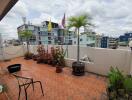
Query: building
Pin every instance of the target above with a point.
(109, 42)
(124, 39)
(112, 43)
(34, 29)
(98, 40)
(86, 39)
(104, 42)
(42, 36)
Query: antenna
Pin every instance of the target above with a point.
(24, 20)
(29, 23)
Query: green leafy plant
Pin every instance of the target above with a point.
(120, 85)
(116, 79)
(128, 84)
(26, 35)
(28, 55)
(59, 56)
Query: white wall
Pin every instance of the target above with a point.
(12, 52)
(103, 59)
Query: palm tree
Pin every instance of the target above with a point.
(26, 35)
(77, 22)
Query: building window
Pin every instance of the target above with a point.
(74, 42)
(81, 39)
(87, 39)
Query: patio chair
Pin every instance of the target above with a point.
(26, 82)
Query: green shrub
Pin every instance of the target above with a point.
(116, 79)
(128, 84)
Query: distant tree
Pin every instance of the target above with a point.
(27, 35)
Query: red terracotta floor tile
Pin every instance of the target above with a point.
(56, 86)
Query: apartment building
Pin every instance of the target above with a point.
(88, 39)
(41, 34)
(124, 39)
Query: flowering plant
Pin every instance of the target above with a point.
(60, 56)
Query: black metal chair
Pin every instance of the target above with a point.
(26, 82)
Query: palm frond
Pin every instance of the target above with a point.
(79, 21)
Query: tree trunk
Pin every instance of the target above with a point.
(78, 46)
(27, 46)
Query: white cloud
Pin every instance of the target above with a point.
(112, 17)
(9, 24)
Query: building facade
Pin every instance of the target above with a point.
(112, 43)
(42, 36)
(104, 42)
(124, 39)
(88, 39)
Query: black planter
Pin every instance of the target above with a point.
(14, 68)
(78, 68)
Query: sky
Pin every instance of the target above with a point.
(111, 17)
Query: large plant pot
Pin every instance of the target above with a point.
(58, 69)
(14, 68)
(78, 68)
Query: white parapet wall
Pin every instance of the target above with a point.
(12, 52)
(102, 59)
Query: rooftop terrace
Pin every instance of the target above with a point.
(57, 86)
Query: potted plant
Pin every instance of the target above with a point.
(41, 54)
(120, 86)
(34, 57)
(60, 59)
(78, 22)
(54, 56)
(128, 87)
(28, 55)
(26, 35)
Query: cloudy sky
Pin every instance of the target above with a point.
(111, 17)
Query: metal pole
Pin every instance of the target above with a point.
(1, 48)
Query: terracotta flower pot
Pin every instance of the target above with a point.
(58, 69)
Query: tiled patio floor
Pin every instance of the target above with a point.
(57, 86)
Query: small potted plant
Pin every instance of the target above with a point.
(28, 55)
(41, 54)
(34, 57)
(54, 56)
(60, 59)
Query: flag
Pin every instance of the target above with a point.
(50, 26)
(63, 21)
